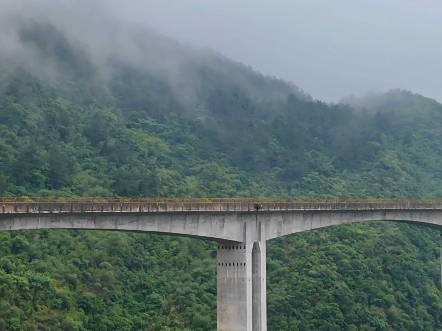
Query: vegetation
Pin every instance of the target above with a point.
(241, 134)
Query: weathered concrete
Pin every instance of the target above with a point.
(259, 290)
(143, 205)
(234, 279)
(241, 280)
(241, 285)
(240, 231)
(213, 226)
(228, 226)
(280, 224)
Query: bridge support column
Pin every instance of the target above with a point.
(234, 278)
(241, 278)
(259, 289)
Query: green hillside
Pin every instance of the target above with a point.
(218, 130)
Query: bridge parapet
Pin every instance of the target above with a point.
(146, 205)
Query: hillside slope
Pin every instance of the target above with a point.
(126, 130)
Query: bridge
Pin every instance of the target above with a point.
(241, 227)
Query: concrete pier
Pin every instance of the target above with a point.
(259, 287)
(241, 285)
(234, 285)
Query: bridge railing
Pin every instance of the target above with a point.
(146, 205)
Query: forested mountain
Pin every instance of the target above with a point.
(175, 122)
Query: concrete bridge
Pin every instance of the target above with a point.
(241, 228)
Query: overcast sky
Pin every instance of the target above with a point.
(330, 48)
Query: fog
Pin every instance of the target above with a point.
(36, 34)
(330, 49)
(89, 25)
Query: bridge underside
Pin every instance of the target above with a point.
(213, 225)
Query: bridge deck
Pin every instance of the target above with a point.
(114, 205)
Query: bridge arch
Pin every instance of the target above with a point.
(283, 224)
(215, 227)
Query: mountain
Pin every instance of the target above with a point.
(160, 119)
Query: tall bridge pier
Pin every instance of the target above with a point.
(241, 283)
(241, 233)
(440, 243)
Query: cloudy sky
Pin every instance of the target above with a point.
(330, 48)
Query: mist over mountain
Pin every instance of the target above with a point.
(88, 42)
(92, 105)
(330, 49)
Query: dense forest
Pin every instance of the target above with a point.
(211, 128)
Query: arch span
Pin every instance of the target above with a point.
(218, 226)
(213, 226)
(286, 223)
